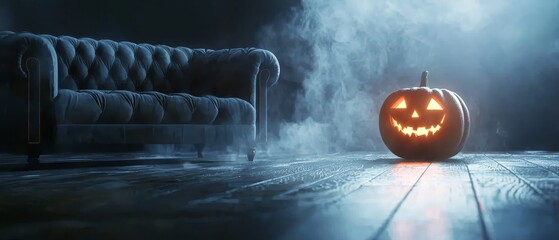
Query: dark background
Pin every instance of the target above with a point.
(517, 111)
(193, 23)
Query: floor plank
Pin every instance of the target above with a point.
(353, 195)
(363, 212)
(442, 205)
(544, 181)
(511, 207)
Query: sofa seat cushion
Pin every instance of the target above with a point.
(122, 107)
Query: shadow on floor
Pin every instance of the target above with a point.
(90, 164)
(403, 161)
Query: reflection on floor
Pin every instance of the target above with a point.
(356, 195)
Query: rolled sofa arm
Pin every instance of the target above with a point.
(28, 66)
(244, 73)
(232, 72)
(268, 74)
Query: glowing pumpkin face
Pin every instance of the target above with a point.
(411, 123)
(424, 123)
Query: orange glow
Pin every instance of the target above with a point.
(419, 131)
(400, 104)
(434, 105)
(414, 114)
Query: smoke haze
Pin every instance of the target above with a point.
(341, 58)
(501, 57)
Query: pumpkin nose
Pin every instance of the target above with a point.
(414, 114)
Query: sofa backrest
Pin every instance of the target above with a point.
(86, 63)
(108, 65)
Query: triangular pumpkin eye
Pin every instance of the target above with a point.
(434, 105)
(400, 104)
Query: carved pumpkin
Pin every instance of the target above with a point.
(424, 123)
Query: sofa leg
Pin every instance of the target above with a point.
(251, 152)
(33, 153)
(199, 149)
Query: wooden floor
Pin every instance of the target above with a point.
(356, 195)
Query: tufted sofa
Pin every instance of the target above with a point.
(65, 90)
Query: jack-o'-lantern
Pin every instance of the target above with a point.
(424, 123)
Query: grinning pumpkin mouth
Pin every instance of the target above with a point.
(419, 131)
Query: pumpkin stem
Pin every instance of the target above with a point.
(424, 79)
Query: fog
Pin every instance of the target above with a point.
(501, 57)
(341, 58)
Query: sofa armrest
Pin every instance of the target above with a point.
(267, 76)
(17, 52)
(28, 68)
(232, 72)
(244, 73)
